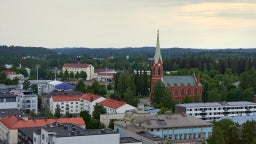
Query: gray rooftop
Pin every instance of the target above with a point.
(68, 130)
(5, 112)
(61, 93)
(174, 121)
(150, 136)
(6, 93)
(216, 104)
(179, 80)
(128, 140)
(241, 119)
(29, 131)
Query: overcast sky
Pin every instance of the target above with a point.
(128, 23)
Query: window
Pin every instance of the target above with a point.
(71, 102)
(159, 70)
(42, 136)
(195, 92)
(189, 92)
(175, 92)
(182, 92)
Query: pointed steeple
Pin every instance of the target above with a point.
(157, 52)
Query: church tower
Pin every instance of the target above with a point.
(157, 66)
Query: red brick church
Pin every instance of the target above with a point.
(180, 86)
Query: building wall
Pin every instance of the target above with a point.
(8, 105)
(92, 139)
(210, 113)
(73, 107)
(89, 106)
(125, 108)
(36, 138)
(9, 136)
(105, 118)
(177, 91)
(196, 133)
(89, 71)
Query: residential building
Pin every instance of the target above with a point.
(46, 98)
(104, 75)
(79, 67)
(25, 135)
(74, 104)
(42, 86)
(174, 128)
(89, 101)
(8, 87)
(180, 86)
(8, 100)
(10, 124)
(70, 133)
(113, 106)
(12, 111)
(216, 110)
(26, 100)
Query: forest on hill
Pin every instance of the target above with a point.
(20, 51)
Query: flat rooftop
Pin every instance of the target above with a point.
(216, 104)
(128, 140)
(69, 130)
(29, 131)
(6, 112)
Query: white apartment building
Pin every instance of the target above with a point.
(8, 100)
(78, 67)
(113, 106)
(214, 110)
(74, 104)
(88, 101)
(69, 133)
(26, 100)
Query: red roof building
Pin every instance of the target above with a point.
(90, 97)
(9, 72)
(65, 98)
(10, 124)
(78, 68)
(111, 103)
(76, 65)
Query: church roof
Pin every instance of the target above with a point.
(157, 52)
(179, 80)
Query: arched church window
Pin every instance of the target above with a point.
(159, 71)
(195, 92)
(189, 92)
(182, 92)
(175, 92)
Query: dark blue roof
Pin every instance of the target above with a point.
(64, 86)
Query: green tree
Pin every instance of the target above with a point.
(217, 136)
(81, 86)
(86, 116)
(187, 99)
(248, 135)
(26, 84)
(66, 75)
(162, 96)
(98, 109)
(96, 88)
(83, 75)
(57, 113)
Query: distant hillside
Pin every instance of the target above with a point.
(18, 51)
(149, 52)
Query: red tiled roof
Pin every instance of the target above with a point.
(14, 122)
(66, 98)
(112, 103)
(9, 72)
(76, 65)
(90, 97)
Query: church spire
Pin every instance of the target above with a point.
(157, 52)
